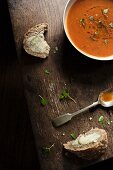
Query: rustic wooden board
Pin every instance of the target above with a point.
(83, 77)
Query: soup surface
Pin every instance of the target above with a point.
(89, 24)
(107, 97)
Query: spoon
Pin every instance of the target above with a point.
(105, 99)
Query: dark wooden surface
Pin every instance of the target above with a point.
(17, 149)
(83, 77)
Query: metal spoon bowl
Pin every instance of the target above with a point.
(109, 101)
(105, 99)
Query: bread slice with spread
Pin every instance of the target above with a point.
(90, 145)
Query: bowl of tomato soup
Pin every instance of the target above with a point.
(88, 25)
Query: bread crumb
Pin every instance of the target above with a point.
(90, 118)
(63, 134)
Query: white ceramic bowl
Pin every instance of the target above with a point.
(66, 10)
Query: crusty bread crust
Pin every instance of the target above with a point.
(34, 42)
(92, 150)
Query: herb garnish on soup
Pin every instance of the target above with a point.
(89, 24)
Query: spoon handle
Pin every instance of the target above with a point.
(85, 109)
(68, 116)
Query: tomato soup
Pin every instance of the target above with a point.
(89, 24)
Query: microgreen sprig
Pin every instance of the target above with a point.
(111, 24)
(73, 135)
(46, 71)
(65, 94)
(104, 121)
(105, 11)
(105, 41)
(43, 101)
(91, 18)
(82, 22)
(101, 120)
(55, 50)
(47, 150)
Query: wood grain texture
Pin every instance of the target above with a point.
(83, 77)
(17, 148)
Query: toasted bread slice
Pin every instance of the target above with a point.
(89, 145)
(34, 42)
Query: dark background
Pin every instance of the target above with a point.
(17, 148)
